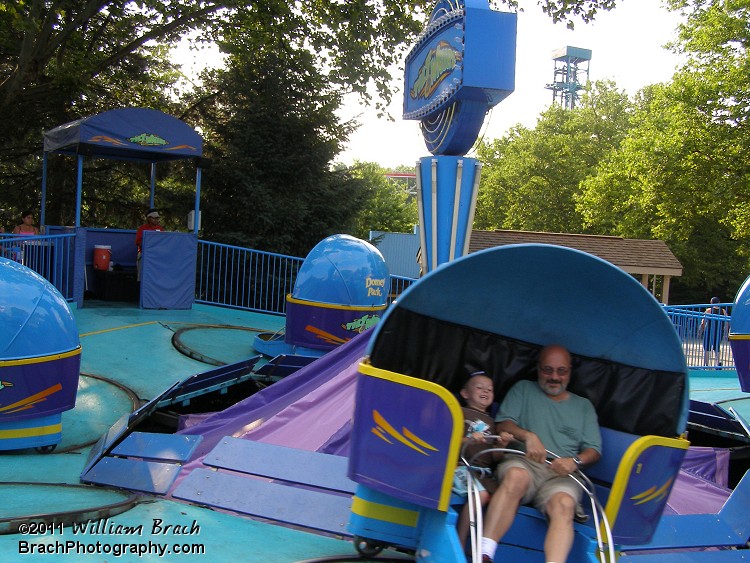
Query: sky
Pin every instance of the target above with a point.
(627, 47)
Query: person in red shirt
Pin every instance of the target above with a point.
(151, 224)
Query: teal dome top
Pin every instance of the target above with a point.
(35, 319)
(343, 270)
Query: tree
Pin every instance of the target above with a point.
(681, 175)
(667, 182)
(562, 10)
(531, 177)
(387, 206)
(270, 121)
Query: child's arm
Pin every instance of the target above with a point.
(474, 437)
(502, 441)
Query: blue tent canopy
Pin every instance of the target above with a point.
(135, 134)
(138, 134)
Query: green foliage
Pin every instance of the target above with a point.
(562, 10)
(682, 171)
(671, 164)
(531, 177)
(387, 205)
(682, 175)
(270, 118)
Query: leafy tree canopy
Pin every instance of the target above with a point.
(681, 174)
(269, 118)
(388, 205)
(531, 177)
(670, 164)
(64, 59)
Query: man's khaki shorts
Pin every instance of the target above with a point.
(544, 481)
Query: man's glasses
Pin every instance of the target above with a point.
(549, 370)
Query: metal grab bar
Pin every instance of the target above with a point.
(600, 518)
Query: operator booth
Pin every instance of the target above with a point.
(139, 135)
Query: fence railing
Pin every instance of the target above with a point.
(237, 277)
(399, 284)
(51, 256)
(704, 335)
(232, 276)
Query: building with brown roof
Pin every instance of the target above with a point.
(651, 261)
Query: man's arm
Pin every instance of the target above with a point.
(589, 456)
(568, 465)
(534, 448)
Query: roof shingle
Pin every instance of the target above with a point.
(635, 256)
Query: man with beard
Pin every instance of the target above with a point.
(544, 416)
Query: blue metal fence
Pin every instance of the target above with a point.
(232, 276)
(50, 256)
(398, 285)
(704, 335)
(259, 281)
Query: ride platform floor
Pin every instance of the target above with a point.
(128, 357)
(720, 387)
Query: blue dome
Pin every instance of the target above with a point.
(34, 318)
(343, 270)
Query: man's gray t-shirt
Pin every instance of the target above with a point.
(565, 427)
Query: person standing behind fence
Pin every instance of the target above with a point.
(151, 224)
(27, 226)
(713, 330)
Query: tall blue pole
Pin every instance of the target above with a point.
(463, 65)
(79, 189)
(153, 185)
(197, 207)
(43, 203)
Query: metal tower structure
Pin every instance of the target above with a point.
(571, 72)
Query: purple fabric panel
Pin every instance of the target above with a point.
(701, 486)
(168, 270)
(186, 421)
(338, 444)
(309, 422)
(692, 494)
(334, 373)
(711, 464)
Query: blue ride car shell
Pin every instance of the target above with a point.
(341, 290)
(40, 357)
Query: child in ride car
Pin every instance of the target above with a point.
(478, 393)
